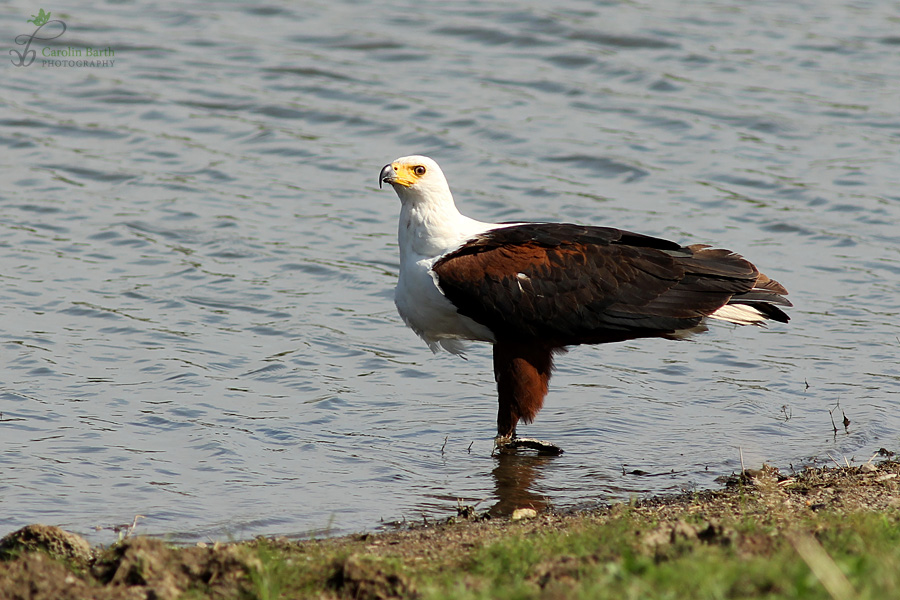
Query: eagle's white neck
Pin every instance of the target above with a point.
(431, 225)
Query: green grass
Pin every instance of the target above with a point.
(622, 557)
(612, 560)
(788, 539)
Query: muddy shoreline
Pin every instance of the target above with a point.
(40, 562)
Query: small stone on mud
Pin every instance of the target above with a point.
(523, 513)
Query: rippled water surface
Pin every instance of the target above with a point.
(197, 267)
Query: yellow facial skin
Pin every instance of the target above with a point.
(405, 174)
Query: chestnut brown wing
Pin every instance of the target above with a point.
(570, 284)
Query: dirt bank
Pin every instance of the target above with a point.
(42, 562)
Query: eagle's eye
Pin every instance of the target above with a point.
(419, 170)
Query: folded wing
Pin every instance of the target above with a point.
(567, 284)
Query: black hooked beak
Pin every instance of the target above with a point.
(387, 175)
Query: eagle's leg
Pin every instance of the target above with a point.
(523, 374)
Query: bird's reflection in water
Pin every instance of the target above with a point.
(515, 478)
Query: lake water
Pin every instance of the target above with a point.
(197, 266)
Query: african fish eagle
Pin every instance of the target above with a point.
(532, 289)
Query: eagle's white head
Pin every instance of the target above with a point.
(417, 180)
(430, 224)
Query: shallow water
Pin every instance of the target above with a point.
(198, 268)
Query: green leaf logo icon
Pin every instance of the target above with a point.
(40, 19)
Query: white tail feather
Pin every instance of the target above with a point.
(739, 314)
